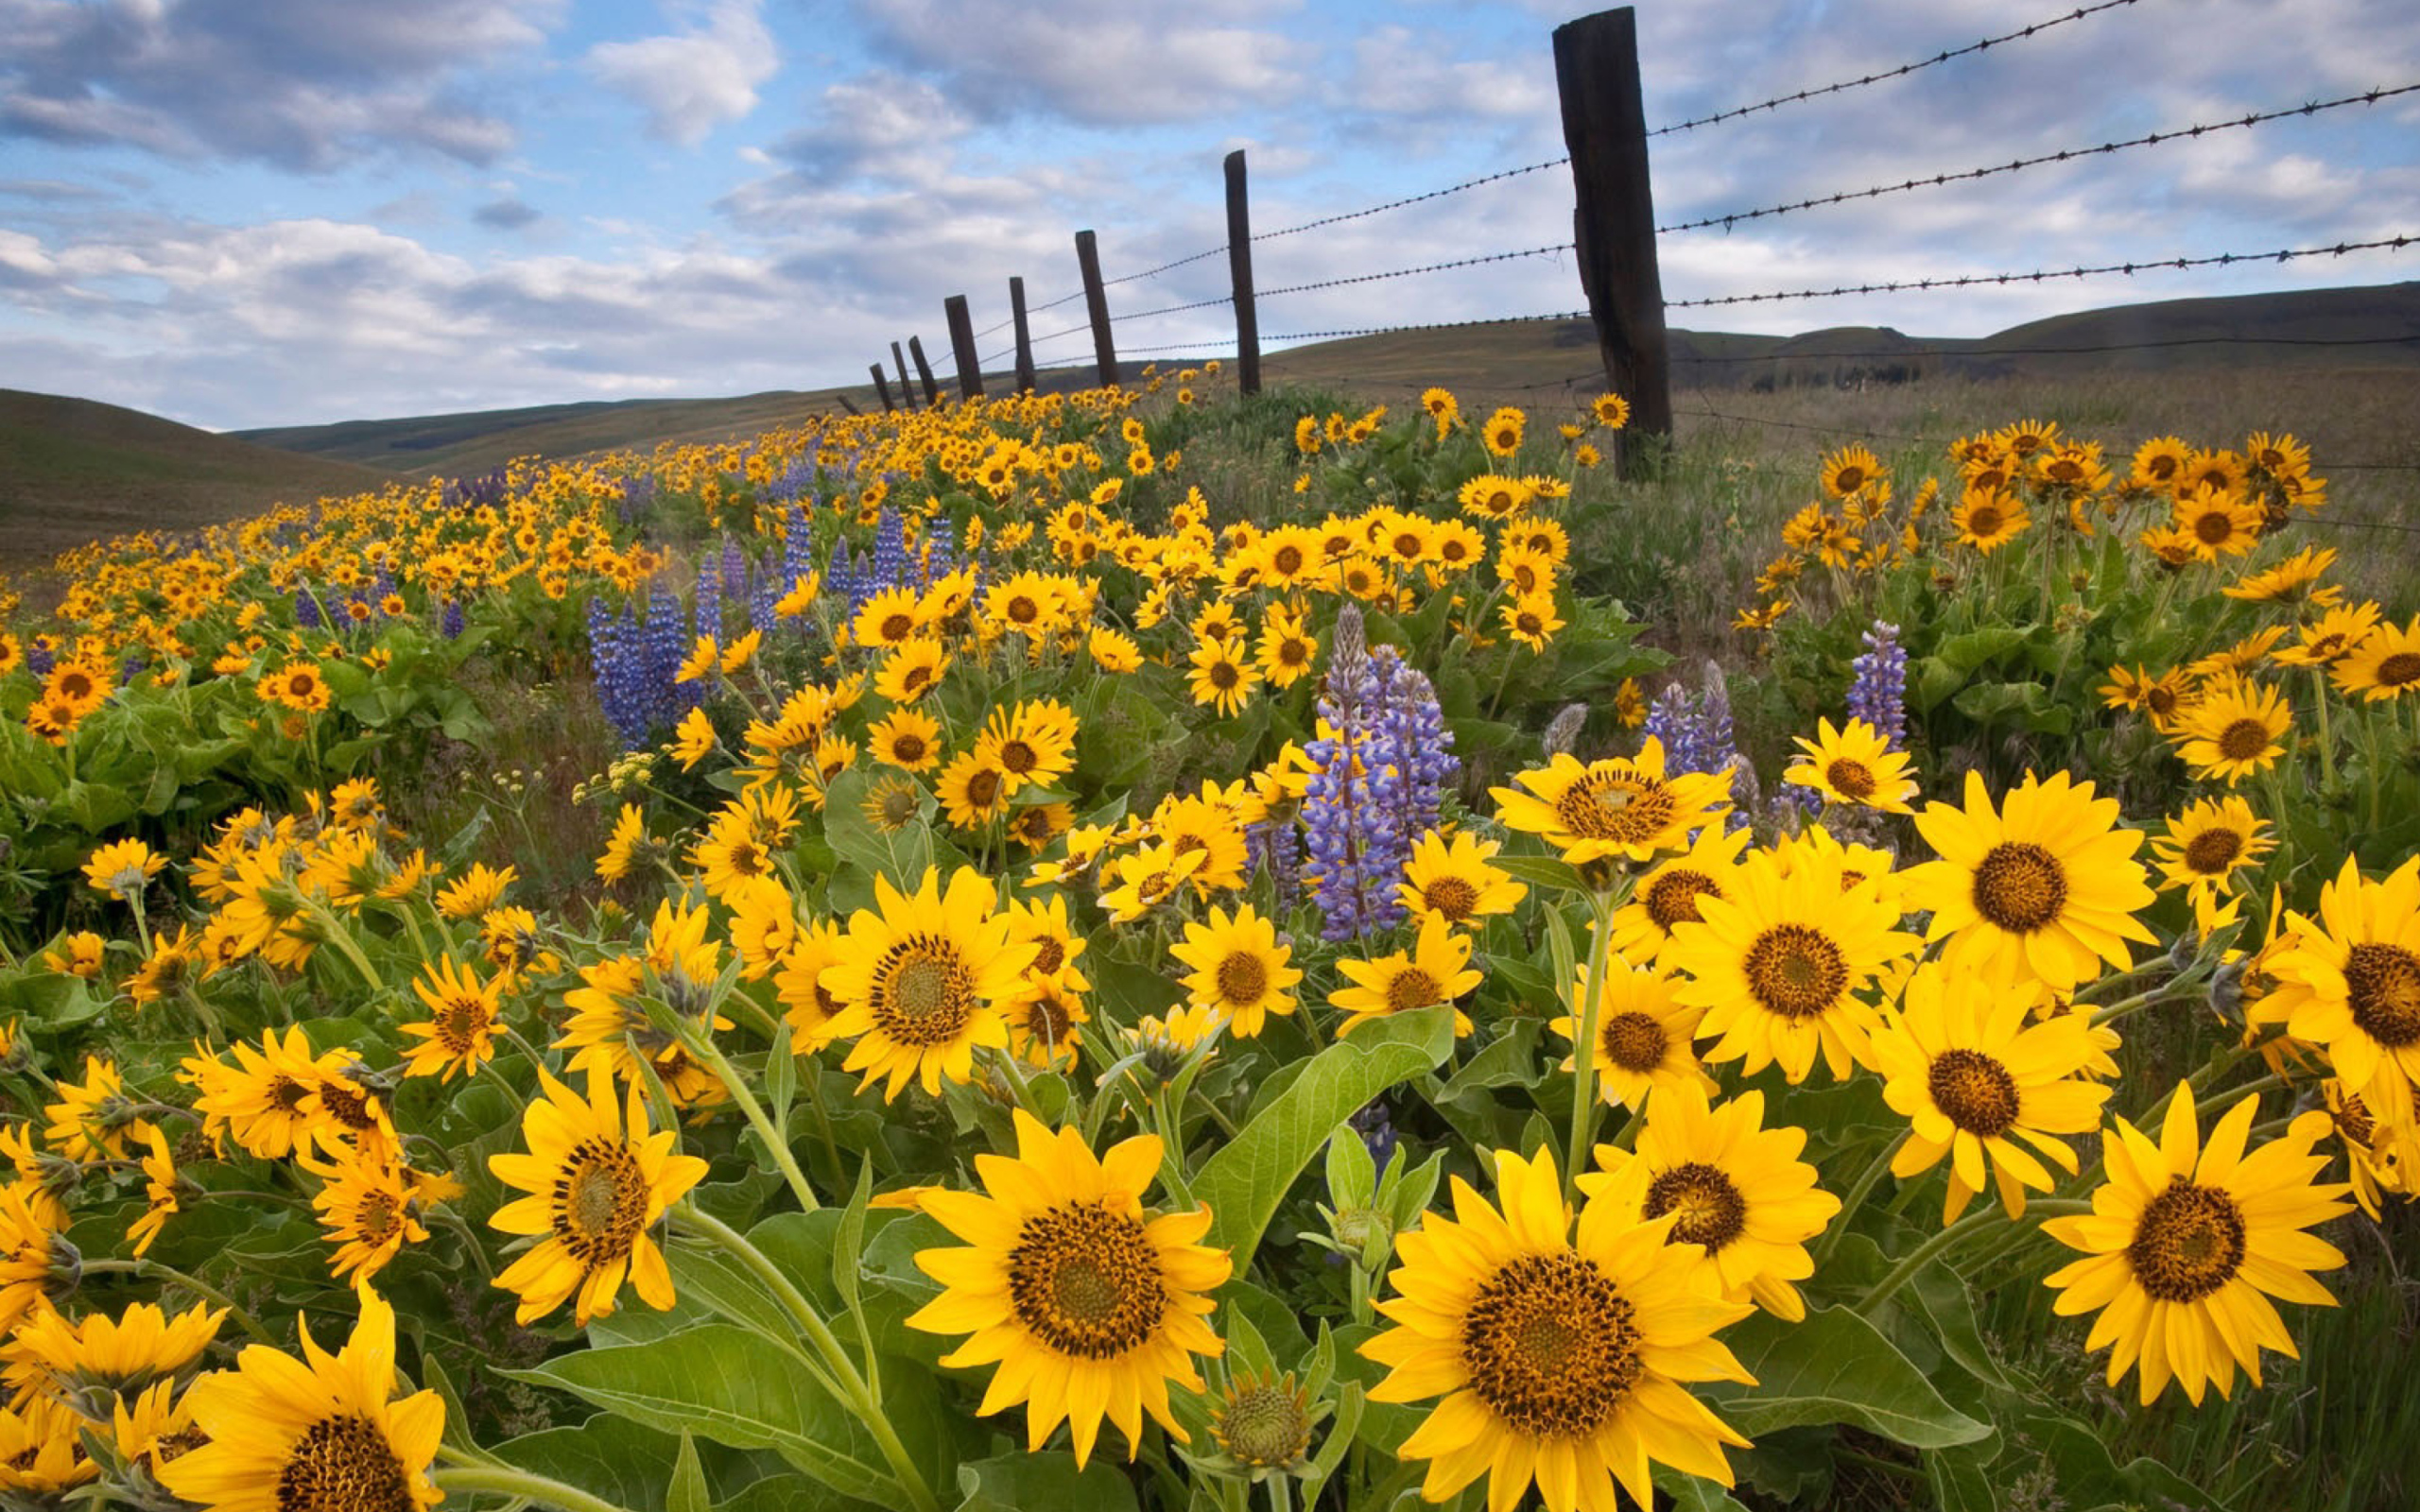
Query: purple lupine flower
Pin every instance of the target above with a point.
(306, 609)
(1420, 749)
(638, 498)
(664, 647)
(623, 690)
(1377, 1132)
(889, 568)
(1879, 693)
(451, 626)
(39, 657)
(735, 562)
(1695, 728)
(708, 613)
(1671, 719)
(1357, 800)
(841, 579)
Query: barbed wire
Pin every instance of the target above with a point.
(1412, 200)
(1154, 272)
(1430, 325)
(1405, 272)
(2044, 275)
(1922, 351)
(1900, 72)
(2064, 155)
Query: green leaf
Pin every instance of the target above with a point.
(1024, 1483)
(1550, 873)
(2025, 705)
(687, 1492)
(1936, 677)
(1244, 1182)
(901, 855)
(733, 1386)
(1836, 1367)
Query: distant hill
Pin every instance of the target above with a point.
(71, 470)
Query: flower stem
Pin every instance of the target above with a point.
(153, 1270)
(701, 1045)
(1583, 1040)
(1856, 1196)
(500, 1480)
(1956, 1233)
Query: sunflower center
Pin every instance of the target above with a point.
(1050, 952)
(915, 680)
(1024, 610)
(1634, 1042)
(459, 1026)
(1614, 806)
(1796, 970)
(2244, 740)
(925, 995)
(2353, 1122)
(1019, 756)
(1985, 521)
(1225, 676)
(375, 1217)
(983, 786)
(908, 747)
(2213, 851)
(1242, 978)
(1287, 559)
(2187, 1244)
(1412, 988)
(2400, 669)
(1086, 1281)
(1263, 1423)
(1453, 898)
(601, 1201)
(1849, 480)
(2383, 985)
(2019, 887)
(1974, 1091)
(897, 626)
(1048, 1020)
(1551, 1346)
(2213, 526)
(1672, 898)
(344, 1463)
(1712, 1212)
(1851, 778)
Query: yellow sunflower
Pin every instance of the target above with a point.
(922, 976)
(2383, 666)
(2044, 888)
(890, 617)
(908, 738)
(1615, 808)
(1224, 674)
(1644, 1033)
(2221, 520)
(1435, 970)
(1989, 519)
(1452, 879)
(1849, 470)
(1034, 744)
(1238, 969)
(597, 1180)
(2205, 845)
(1666, 897)
(2350, 982)
(1853, 765)
(1088, 1305)
(2233, 731)
(2184, 1238)
(1560, 1360)
(1959, 1063)
(1778, 963)
(460, 1033)
(912, 670)
(1502, 432)
(322, 1432)
(974, 790)
(1531, 619)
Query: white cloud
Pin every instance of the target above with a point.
(695, 80)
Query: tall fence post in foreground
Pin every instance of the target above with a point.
(961, 346)
(1024, 337)
(925, 372)
(1096, 305)
(1239, 267)
(1595, 69)
(899, 360)
(882, 386)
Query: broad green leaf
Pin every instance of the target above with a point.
(634, 1468)
(901, 855)
(1836, 1367)
(687, 1492)
(1691, 1493)
(1032, 1483)
(1244, 1182)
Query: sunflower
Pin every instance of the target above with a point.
(2383, 666)
(2165, 698)
(1849, 471)
(1114, 650)
(1435, 970)
(297, 685)
(1288, 647)
(1644, 1033)
(2208, 842)
(974, 790)
(123, 869)
(1531, 620)
(1561, 1362)
(908, 738)
(1223, 675)
(459, 1034)
(889, 618)
(1614, 808)
(53, 1354)
(1452, 879)
(922, 976)
(1777, 963)
(1034, 744)
(912, 670)
(93, 1121)
(160, 1195)
(1493, 497)
(322, 1432)
(1502, 432)
(1666, 897)
(597, 1180)
(369, 1210)
(2221, 520)
(1988, 519)
(2045, 887)
(1853, 765)
(1088, 1305)
(2292, 579)
(2232, 732)
(1959, 1063)
(1612, 411)
(1238, 968)
(2160, 461)
(42, 1451)
(2184, 1238)
(2350, 982)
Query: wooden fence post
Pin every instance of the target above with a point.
(961, 346)
(882, 386)
(1595, 69)
(1096, 305)
(1024, 337)
(847, 404)
(1239, 268)
(925, 372)
(899, 360)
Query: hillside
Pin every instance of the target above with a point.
(73, 469)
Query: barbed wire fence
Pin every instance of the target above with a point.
(1614, 248)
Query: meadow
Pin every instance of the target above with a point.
(1135, 949)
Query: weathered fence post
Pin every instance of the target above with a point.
(1096, 305)
(961, 346)
(899, 360)
(925, 372)
(1024, 337)
(1595, 68)
(1239, 268)
(882, 386)
(848, 405)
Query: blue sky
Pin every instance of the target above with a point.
(258, 211)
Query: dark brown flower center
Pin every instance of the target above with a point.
(1086, 1281)
(2244, 740)
(1050, 952)
(1712, 1212)
(1224, 674)
(1672, 897)
(1634, 1042)
(1974, 1091)
(2399, 670)
(908, 747)
(2382, 983)
(1796, 970)
(344, 1463)
(924, 993)
(599, 1201)
(2019, 887)
(982, 787)
(1451, 898)
(1850, 778)
(1616, 805)
(2212, 852)
(2213, 527)
(1242, 977)
(1412, 988)
(1551, 1346)
(2188, 1242)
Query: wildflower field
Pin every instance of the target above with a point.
(1133, 950)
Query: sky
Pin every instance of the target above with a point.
(250, 212)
